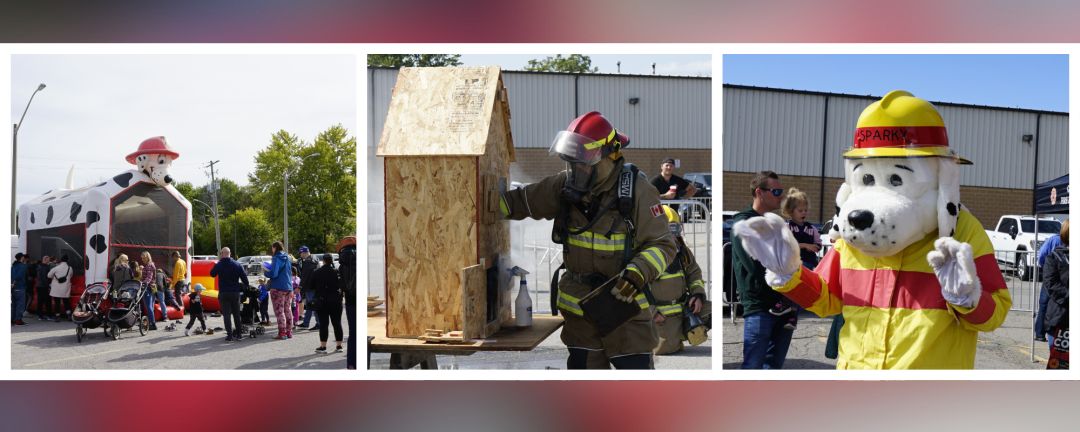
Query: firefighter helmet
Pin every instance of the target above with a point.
(154, 145)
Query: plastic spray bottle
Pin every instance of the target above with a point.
(523, 303)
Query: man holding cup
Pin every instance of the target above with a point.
(671, 186)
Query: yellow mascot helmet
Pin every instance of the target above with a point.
(901, 125)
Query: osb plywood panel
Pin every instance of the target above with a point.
(431, 235)
(440, 111)
(495, 238)
(473, 285)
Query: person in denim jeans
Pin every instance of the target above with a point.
(18, 289)
(765, 340)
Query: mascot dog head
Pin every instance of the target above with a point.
(154, 158)
(901, 178)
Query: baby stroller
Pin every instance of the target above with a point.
(88, 314)
(127, 310)
(249, 312)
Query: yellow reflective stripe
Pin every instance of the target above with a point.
(642, 301)
(596, 241)
(502, 206)
(671, 275)
(596, 144)
(635, 270)
(655, 257)
(670, 310)
(697, 283)
(570, 304)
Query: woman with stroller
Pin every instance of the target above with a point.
(147, 279)
(327, 303)
(281, 290)
(61, 287)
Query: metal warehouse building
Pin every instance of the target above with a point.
(664, 116)
(800, 136)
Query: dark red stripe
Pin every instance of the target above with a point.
(986, 267)
(984, 311)
(871, 137)
(809, 291)
(884, 289)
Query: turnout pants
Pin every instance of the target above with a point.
(671, 330)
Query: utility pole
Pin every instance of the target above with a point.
(213, 197)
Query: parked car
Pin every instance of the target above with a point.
(254, 264)
(1017, 233)
(703, 183)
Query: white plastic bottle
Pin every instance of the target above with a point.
(523, 306)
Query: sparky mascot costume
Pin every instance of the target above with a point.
(912, 272)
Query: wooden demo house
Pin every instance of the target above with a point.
(447, 149)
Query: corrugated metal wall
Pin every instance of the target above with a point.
(781, 131)
(673, 112)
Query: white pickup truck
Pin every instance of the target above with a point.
(1017, 233)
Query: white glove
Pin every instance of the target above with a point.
(769, 241)
(954, 266)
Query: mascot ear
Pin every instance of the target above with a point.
(841, 196)
(948, 204)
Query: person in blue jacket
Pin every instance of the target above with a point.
(232, 279)
(281, 289)
(264, 302)
(18, 289)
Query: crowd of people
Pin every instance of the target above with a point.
(291, 285)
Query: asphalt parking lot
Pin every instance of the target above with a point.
(50, 345)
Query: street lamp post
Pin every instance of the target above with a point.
(285, 189)
(216, 232)
(15, 154)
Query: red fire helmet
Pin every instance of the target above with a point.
(155, 145)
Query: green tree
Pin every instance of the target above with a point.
(322, 190)
(571, 63)
(413, 60)
(254, 233)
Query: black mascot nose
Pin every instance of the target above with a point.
(860, 219)
(168, 179)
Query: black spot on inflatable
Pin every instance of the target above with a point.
(65, 196)
(91, 217)
(191, 252)
(48, 216)
(48, 199)
(102, 184)
(32, 218)
(49, 192)
(18, 231)
(86, 264)
(952, 208)
(76, 208)
(123, 179)
(98, 243)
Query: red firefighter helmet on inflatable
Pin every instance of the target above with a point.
(155, 145)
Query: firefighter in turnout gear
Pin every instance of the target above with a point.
(678, 291)
(610, 224)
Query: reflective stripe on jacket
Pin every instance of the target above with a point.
(895, 316)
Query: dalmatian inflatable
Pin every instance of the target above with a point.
(134, 211)
(911, 270)
(153, 159)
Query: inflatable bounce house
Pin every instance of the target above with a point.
(135, 211)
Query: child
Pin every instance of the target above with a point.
(795, 207)
(196, 310)
(264, 302)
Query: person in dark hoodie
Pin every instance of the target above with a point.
(281, 287)
(18, 290)
(232, 279)
(327, 294)
(765, 340)
(1056, 281)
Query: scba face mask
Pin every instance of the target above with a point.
(579, 181)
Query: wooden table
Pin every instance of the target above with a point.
(406, 353)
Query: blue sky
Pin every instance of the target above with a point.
(666, 64)
(1026, 81)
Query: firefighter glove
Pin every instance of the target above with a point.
(629, 285)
